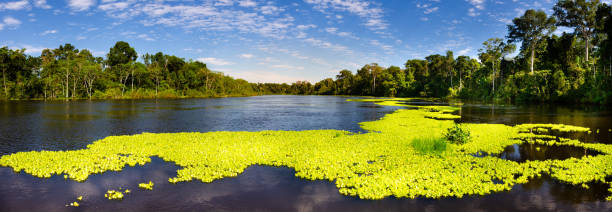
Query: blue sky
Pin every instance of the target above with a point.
(264, 40)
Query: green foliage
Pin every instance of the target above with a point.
(457, 134)
(429, 145)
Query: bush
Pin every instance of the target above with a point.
(457, 134)
(429, 145)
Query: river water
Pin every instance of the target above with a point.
(37, 125)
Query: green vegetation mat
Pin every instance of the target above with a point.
(373, 165)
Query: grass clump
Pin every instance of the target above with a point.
(457, 134)
(429, 145)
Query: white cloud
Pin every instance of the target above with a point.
(145, 37)
(48, 32)
(388, 48)
(224, 3)
(206, 17)
(334, 31)
(464, 51)
(214, 61)
(42, 4)
(304, 27)
(430, 10)
(287, 67)
(247, 3)
(9, 21)
(372, 14)
(114, 6)
(81, 5)
(472, 12)
(270, 9)
(477, 5)
(14, 5)
(246, 56)
(29, 49)
(328, 45)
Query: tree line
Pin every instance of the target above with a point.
(571, 67)
(69, 73)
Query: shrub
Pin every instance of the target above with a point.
(429, 145)
(457, 134)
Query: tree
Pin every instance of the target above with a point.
(374, 69)
(579, 14)
(494, 49)
(604, 28)
(92, 70)
(65, 56)
(119, 58)
(344, 80)
(393, 81)
(531, 28)
(449, 63)
(462, 64)
(4, 61)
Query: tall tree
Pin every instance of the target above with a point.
(120, 58)
(65, 55)
(4, 61)
(494, 49)
(604, 28)
(449, 64)
(580, 15)
(344, 79)
(374, 70)
(530, 29)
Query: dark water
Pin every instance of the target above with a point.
(60, 125)
(539, 152)
(36, 125)
(591, 116)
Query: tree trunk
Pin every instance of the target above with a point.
(4, 82)
(493, 92)
(74, 80)
(532, 58)
(73, 86)
(451, 74)
(132, 79)
(374, 86)
(460, 79)
(67, 87)
(586, 47)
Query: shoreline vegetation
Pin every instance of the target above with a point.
(567, 67)
(405, 154)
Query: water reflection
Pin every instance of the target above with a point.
(532, 152)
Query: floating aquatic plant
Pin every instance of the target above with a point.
(147, 186)
(114, 195)
(372, 165)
